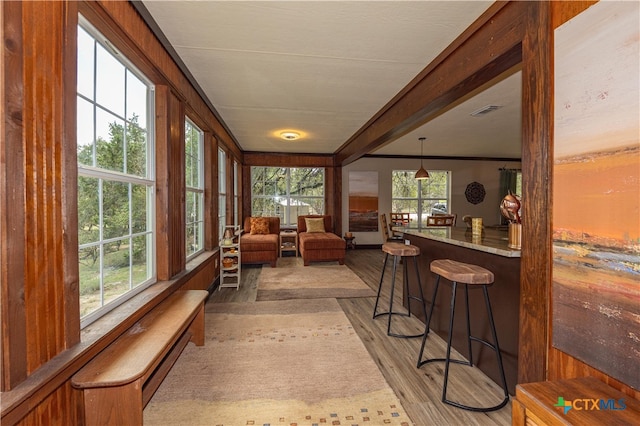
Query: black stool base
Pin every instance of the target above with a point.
(410, 297)
(457, 404)
(448, 360)
(390, 333)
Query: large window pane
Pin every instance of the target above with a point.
(85, 132)
(436, 186)
(420, 198)
(115, 181)
(88, 210)
(116, 270)
(116, 209)
(194, 177)
(307, 181)
(90, 279)
(136, 143)
(287, 192)
(85, 64)
(140, 261)
(140, 208)
(136, 104)
(109, 141)
(110, 77)
(222, 190)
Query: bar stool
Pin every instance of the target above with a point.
(399, 251)
(467, 275)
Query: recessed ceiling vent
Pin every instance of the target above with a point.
(485, 110)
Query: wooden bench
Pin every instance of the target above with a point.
(592, 402)
(119, 382)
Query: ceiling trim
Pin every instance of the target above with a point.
(442, 157)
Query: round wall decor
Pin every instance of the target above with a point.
(475, 193)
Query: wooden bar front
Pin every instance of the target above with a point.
(504, 294)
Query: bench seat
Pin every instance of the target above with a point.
(120, 380)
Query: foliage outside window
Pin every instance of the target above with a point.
(236, 193)
(115, 177)
(194, 171)
(420, 198)
(222, 190)
(287, 192)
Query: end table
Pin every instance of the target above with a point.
(289, 241)
(351, 244)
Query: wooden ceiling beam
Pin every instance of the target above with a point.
(488, 48)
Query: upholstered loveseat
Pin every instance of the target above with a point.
(319, 243)
(259, 244)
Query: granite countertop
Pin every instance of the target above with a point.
(493, 241)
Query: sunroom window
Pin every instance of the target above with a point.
(115, 176)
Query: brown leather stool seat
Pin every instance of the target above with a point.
(467, 275)
(399, 251)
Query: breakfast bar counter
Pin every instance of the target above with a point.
(489, 251)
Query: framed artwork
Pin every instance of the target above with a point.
(363, 201)
(596, 190)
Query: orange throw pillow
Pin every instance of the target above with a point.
(259, 225)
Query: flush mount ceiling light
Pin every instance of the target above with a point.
(290, 136)
(422, 173)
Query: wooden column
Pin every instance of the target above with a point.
(170, 181)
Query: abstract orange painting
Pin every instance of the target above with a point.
(363, 201)
(596, 190)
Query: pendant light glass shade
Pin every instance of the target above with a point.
(421, 173)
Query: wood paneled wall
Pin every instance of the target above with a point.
(211, 191)
(170, 178)
(37, 295)
(40, 346)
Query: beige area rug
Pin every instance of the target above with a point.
(292, 280)
(276, 363)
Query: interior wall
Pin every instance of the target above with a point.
(463, 172)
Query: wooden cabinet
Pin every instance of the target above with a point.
(581, 401)
(230, 261)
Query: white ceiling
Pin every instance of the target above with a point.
(324, 68)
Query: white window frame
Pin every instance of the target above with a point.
(195, 224)
(222, 191)
(287, 200)
(236, 195)
(108, 176)
(419, 217)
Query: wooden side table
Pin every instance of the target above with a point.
(289, 241)
(351, 244)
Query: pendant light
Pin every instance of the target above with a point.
(422, 173)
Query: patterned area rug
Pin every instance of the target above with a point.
(292, 280)
(293, 362)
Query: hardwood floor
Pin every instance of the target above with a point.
(419, 390)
